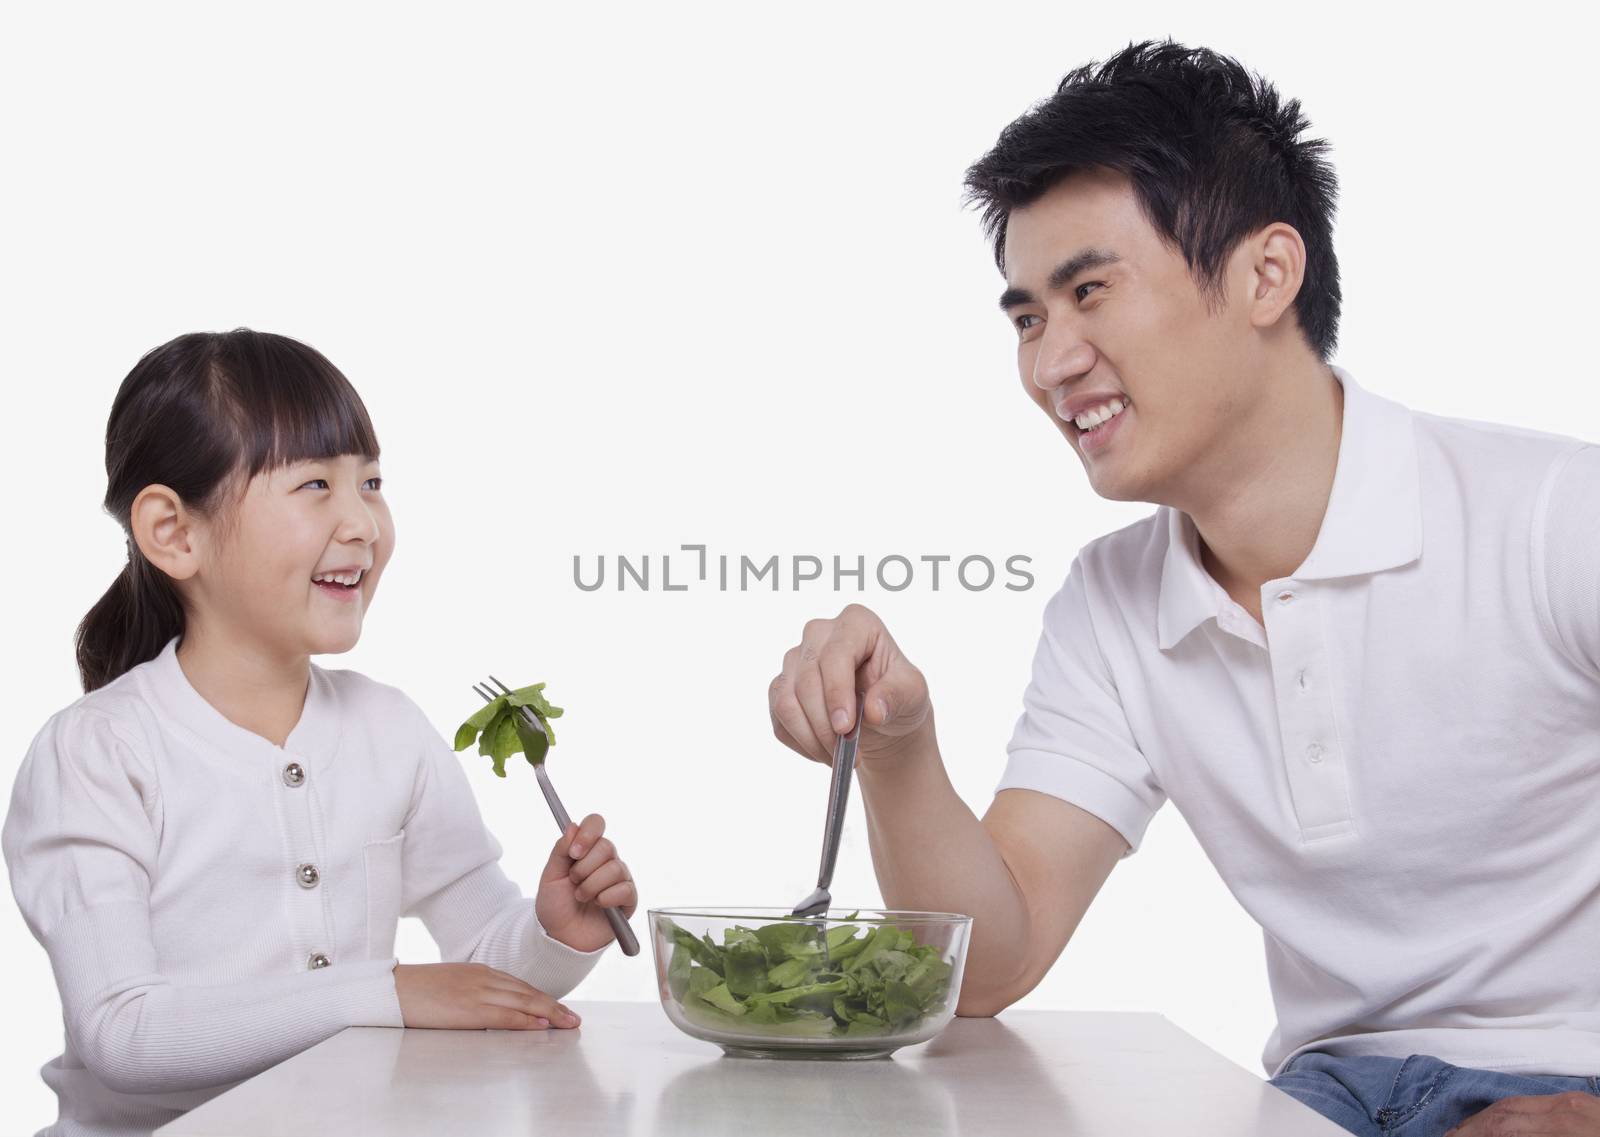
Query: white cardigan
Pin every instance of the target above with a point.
(213, 904)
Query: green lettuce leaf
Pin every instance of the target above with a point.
(468, 731)
(494, 727)
(788, 979)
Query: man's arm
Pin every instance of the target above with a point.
(1026, 872)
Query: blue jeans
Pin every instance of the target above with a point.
(1419, 1096)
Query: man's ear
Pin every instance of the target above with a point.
(1279, 263)
(166, 532)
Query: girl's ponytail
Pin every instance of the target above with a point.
(130, 624)
(198, 414)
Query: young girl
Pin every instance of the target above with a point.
(214, 844)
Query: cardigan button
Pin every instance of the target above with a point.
(294, 774)
(318, 961)
(308, 876)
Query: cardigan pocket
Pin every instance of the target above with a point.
(382, 857)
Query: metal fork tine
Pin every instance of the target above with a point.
(523, 713)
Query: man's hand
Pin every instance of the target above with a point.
(583, 876)
(814, 698)
(1572, 1114)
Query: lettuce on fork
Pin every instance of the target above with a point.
(789, 979)
(494, 726)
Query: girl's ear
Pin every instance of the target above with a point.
(166, 532)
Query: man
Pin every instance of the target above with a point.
(1357, 646)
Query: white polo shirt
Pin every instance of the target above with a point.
(1399, 775)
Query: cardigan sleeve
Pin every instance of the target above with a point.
(80, 842)
(453, 881)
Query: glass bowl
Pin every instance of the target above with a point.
(852, 983)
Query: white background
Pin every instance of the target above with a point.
(669, 275)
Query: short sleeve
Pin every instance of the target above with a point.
(1566, 560)
(1072, 740)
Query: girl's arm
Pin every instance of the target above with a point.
(80, 845)
(454, 882)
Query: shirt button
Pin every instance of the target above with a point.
(318, 961)
(1285, 596)
(308, 876)
(1303, 680)
(1314, 753)
(294, 774)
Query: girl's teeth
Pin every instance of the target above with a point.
(349, 580)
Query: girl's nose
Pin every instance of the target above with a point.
(359, 524)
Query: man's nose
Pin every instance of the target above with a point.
(1063, 356)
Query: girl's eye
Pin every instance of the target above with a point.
(1078, 291)
(322, 483)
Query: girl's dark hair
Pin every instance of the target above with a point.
(1212, 154)
(202, 413)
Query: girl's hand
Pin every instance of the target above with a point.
(582, 877)
(473, 996)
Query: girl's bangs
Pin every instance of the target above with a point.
(293, 405)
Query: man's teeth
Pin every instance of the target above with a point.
(348, 579)
(1090, 419)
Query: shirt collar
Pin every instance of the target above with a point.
(315, 736)
(1373, 521)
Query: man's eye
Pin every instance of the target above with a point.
(1022, 326)
(1078, 291)
(323, 482)
(375, 483)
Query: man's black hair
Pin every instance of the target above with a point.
(1212, 154)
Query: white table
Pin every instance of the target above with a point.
(628, 1071)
